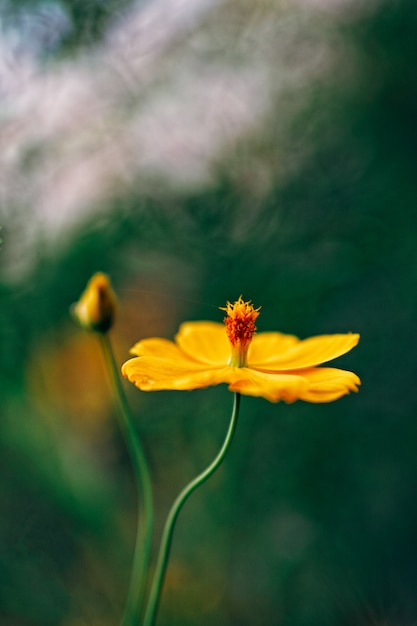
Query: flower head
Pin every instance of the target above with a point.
(269, 364)
(240, 328)
(96, 308)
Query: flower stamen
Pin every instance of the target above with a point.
(240, 328)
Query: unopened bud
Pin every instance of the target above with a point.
(96, 308)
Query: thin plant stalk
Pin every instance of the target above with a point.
(161, 564)
(137, 586)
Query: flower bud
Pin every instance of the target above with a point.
(96, 308)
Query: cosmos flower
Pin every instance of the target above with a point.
(96, 308)
(272, 365)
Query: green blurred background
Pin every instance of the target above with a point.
(309, 211)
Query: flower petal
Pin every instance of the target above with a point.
(269, 346)
(154, 374)
(273, 387)
(277, 352)
(205, 342)
(158, 347)
(328, 383)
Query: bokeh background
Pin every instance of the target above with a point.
(197, 150)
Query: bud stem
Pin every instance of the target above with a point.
(135, 597)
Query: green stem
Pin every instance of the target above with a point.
(166, 540)
(136, 591)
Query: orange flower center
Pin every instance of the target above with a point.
(240, 328)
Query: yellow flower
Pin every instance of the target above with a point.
(269, 364)
(96, 308)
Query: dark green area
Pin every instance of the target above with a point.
(83, 22)
(312, 521)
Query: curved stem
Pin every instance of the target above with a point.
(136, 591)
(166, 540)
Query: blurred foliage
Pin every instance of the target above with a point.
(80, 23)
(313, 518)
(89, 19)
